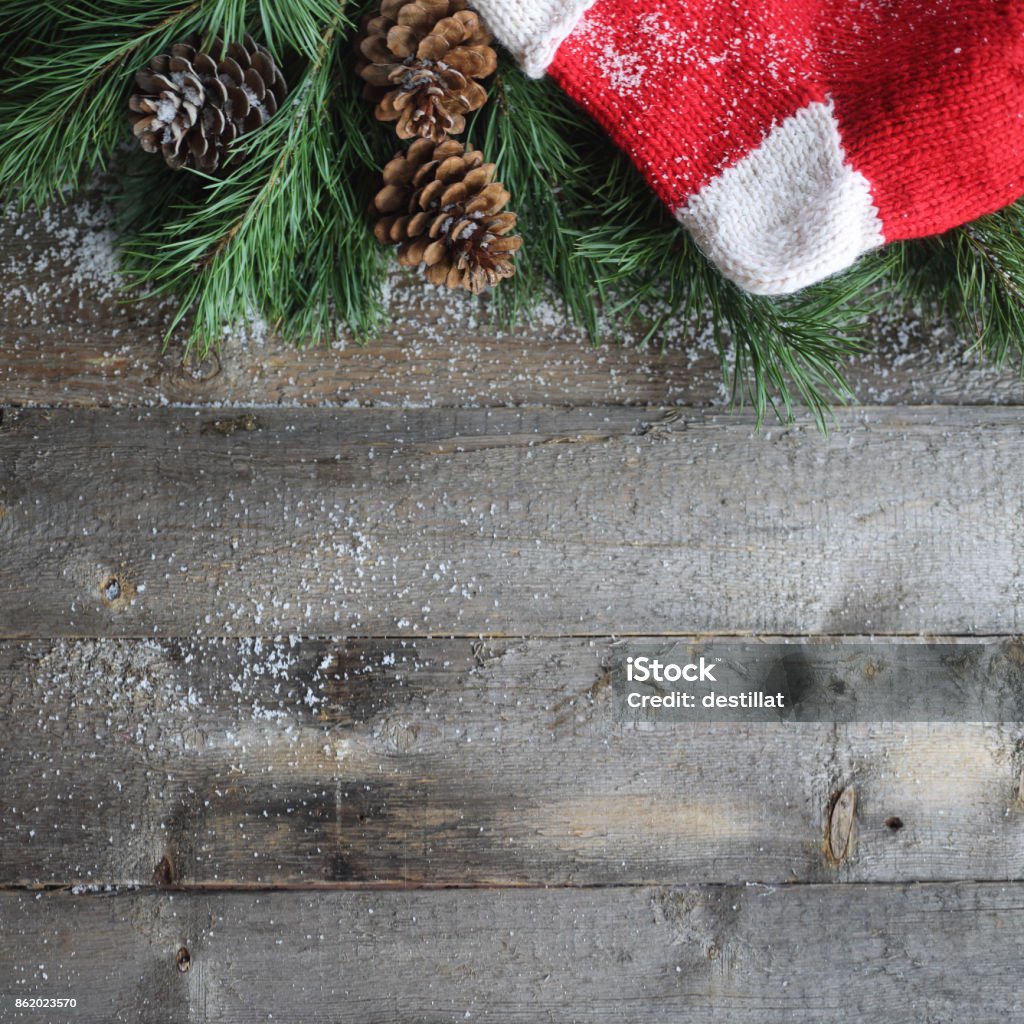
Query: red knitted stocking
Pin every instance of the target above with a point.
(790, 136)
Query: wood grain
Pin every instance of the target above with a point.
(66, 337)
(746, 954)
(462, 827)
(499, 522)
(433, 762)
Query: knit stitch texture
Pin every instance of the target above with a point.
(792, 135)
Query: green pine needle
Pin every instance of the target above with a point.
(596, 230)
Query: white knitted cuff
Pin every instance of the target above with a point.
(790, 213)
(532, 30)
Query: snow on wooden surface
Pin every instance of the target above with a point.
(339, 620)
(67, 337)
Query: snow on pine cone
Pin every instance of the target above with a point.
(421, 62)
(442, 208)
(191, 106)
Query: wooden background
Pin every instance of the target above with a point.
(304, 690)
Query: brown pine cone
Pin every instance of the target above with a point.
(422, 59)
(191, 106)
(441, 206)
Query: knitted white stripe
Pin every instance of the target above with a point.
(790, 213)
(532, 30)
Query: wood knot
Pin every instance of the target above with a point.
(842, 809)
(183, 958)
(197, 367)
(230, 425)
(163, 873)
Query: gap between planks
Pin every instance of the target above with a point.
(100, 892)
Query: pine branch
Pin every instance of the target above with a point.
(973, 277)
(62, 104)
(775, 354)
(284, 235)
(615, 255)
(62, 101)
(534, 135)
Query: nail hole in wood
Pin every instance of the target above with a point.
(894, 823)
(183, 958)
(116, 591)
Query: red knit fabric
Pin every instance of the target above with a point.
(929, 94)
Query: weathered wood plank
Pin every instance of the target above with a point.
(66, 339)
(424, 762)
(749, 955)
(516, 522)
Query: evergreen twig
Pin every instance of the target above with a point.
(974, 278)
(284, 233)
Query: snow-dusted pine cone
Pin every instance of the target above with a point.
(421, 63)
(442, 208)
(191, 106)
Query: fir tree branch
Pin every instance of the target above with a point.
(972, 277)
(282, 235)
(62, 105)
(63, 100)
(536, 138)
(616, 256)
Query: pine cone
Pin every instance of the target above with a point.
(441, 206)
(192, 107)
(422, 59)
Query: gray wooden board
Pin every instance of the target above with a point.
(433, 762)
(942, 954)
(191, 766)
(67, 337)
(545, 522)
